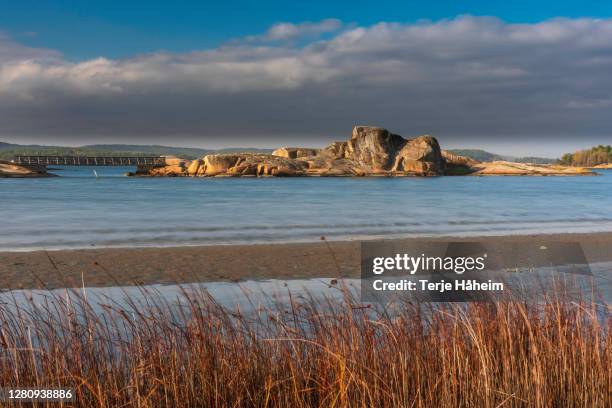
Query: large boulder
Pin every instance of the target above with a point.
(215, 164)
(246, 164)
(174, 167)
(194, 167)
(295, 152)
(175, 161)
(370, 147)
(421, 156)
(375, 150)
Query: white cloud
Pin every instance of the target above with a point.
(291, 31)
(465, 76)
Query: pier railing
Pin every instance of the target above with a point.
(90, 161)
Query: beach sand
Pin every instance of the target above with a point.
(135, 266)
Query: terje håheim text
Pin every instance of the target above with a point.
(411, 264)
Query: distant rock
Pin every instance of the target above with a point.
(246, 164)
(10, 169)
(457, 165)
(194, 167)
(370, 147)
(420, 156)
(504, 168)
(371, 151)
(376, 151)
(175, 167)
(458, 160)
(295, 152)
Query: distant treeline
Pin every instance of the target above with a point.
(9, 151)
(484, 156)
(590, 157)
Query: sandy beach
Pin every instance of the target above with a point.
(133, 266)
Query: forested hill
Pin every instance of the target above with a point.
(484, 156)
(9, 150)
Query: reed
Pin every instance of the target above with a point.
(311, 352)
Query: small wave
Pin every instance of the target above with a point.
(251, 236)
(284, 227)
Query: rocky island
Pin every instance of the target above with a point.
(9, 169)
(371, 151)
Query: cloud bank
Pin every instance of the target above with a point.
(469, 78)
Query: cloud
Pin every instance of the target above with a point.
(461, 79)
(12, 51)
(291, 32)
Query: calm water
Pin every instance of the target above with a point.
(247, 296)
(79, 210)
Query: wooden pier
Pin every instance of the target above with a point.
(91, 161)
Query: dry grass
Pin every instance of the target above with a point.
(315, 353)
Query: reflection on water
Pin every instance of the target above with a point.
(250, 296)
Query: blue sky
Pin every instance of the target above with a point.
(513, 77)
(86, 29)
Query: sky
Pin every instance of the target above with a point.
(522, 78)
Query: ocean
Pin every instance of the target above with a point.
(78, 210)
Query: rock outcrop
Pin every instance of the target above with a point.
(10, 169)
(457, 160)
(504, 168)
(457, 165)
(371, 151)
(370, 148)
(250, 165)
(374, 150)
(295, 152)
(174, 167)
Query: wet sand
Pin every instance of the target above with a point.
(134, 266)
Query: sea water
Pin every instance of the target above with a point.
(80, 210)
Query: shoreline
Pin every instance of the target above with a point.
(447, 235)
(102, 267)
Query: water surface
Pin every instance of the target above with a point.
(250, 295)
(79, 210)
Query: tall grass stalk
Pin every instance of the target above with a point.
(316, 352)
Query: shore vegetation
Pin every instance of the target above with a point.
(311, 352)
